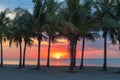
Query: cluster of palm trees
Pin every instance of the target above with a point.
(72, 19)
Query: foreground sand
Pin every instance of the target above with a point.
(58, 73)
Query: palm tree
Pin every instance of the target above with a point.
(17, 37)
(18, 30)
(79, 14)
(39, 18)
(69, 15)
(105, 10)
(28, 34)
(52, 6)
(117, 17)
(72, 54)
(4, 21)
(27, 19)
(88, 25)
(69, 31)
(66, 29)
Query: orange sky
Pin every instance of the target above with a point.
(92, 50)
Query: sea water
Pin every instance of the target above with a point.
(112, 62)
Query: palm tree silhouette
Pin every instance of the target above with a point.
(39, 16)
(4, 21)
(51, 17)
(105, 11)
(18, 30)
(88, 25)
(29, 33)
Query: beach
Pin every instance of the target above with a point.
(10, 72)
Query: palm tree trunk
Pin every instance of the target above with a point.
(71, 56)
(71, 62)
(20, 61)
(48, 57)
(82, 57)
(1, 55)
(24, 54)
(75, 46)
(105, 53)
(38, 63)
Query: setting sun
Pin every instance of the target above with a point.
(58, 57)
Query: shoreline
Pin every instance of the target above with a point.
(7, 65)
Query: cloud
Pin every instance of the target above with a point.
(11, 15)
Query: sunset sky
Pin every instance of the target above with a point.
(60, 49)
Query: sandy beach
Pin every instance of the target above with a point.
(57, 73)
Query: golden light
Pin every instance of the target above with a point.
(57, 56)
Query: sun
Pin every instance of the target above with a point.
(57, 57)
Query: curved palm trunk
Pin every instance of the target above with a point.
(71, 56)
(38, 62)
(20, 61)
(105, 53)
(1, 55)
(24, 54)
(48, 57)
(82, 57)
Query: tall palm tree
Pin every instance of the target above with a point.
(52, 7)
(69, 15)
(18, 30)
(69, 31)
(78, 13)
(105, 10)
(4, 21)
(88, 26)
(29, 33)
(39, 18)
(117, 16)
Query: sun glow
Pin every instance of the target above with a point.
(57, 56)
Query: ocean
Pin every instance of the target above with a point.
(65, 62)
